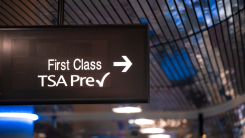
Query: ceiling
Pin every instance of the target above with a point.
(196, 48)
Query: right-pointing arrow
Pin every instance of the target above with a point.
(127, 63)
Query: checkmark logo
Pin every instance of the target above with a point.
(101, 83)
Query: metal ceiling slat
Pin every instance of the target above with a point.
(56, 10)
(171, 5)
(151, 18)
(224, 46)
(46, 10)
(233, 45)
(99, 12)
(170, 46)
(158, 77)
(240, 52)
(82, 12)
(25, 12)
(212, 45)
(199, 24)
(156, 66)
(116, 12)
(108, 12)
(153, 69)
(34, 12)
(219, 55)
(16, 12)
(172, 101)
(168, 19)
(162, 62)
(12, 16)
(153, 78)
(66, 13)
(163, 72)
(90, 12)
(181, 21)
(125, 11)
(66, 3)
(159, 40)
(2, 22)
(208, 92)
(142, 13)
(7, 19)
(227, 47)
(242, 49)
(211, 51)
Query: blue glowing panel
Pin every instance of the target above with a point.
(16, 128)
(17, 109)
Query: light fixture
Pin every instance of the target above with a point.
(20, 115)
(159, 136)
(151, 130)
(127, 110)
(143, 121)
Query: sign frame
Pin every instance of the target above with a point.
(4, 101)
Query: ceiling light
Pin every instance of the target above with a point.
(143, 121)
(131, 121)
(151, 130)
(159, 136)
(20, 115)
(127, 110)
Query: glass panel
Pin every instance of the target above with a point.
(222, 76)
(229, 54)
(129, 11)
(169, 63)
(199, 70)
(93, 10)
(176, 17)
(228, 8)
(168, 18)
(162, 64)
(221, 10)
(239, 46)
(206, 12)
(158, 69)
(159, 15)
(143, 19)
(120, 11)
(183, 59)
(83, 9)
(111, 12)
(192, 15)
(241, 4)
(174, 61)
(214, 12)
(147, 12)
(102, 11)
(187, 59)
(184, 16)
(234, 6)
(75, 13)
(199, 14)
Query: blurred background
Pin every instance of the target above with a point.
(196, 70)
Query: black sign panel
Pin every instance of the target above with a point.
(74, 64)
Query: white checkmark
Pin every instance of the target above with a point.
(103, 79)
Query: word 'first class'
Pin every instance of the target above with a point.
(78, 64)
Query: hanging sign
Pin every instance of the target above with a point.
(74, 64)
